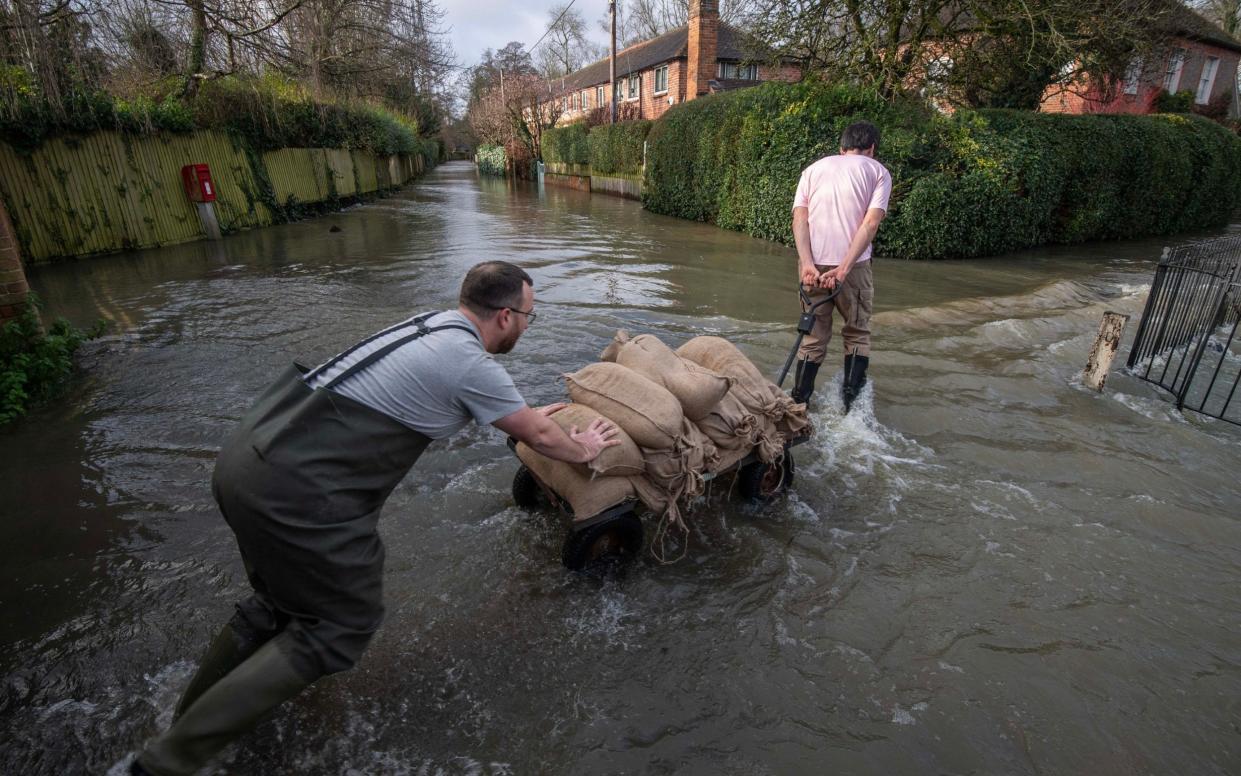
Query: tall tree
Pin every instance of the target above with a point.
(566, 46)
(1225, 13)
(980, 51)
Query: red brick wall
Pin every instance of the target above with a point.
(1096, 100)
(13, 287)
(785, 72)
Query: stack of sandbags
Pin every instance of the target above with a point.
(681, 414)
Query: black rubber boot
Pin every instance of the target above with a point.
(232, 707)
(853, 379)
(803, 385)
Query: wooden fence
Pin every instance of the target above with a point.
(111, 191)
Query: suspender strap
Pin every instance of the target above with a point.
(391, 346)
(416, 321)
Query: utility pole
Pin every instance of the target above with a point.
(612, 60)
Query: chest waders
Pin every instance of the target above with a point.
(301, 483)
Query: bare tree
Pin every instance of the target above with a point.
(566, 47)
(1225, 13)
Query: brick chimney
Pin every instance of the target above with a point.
(704, 30)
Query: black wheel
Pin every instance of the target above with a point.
(615, 539)
(526, 490)
(761, 482)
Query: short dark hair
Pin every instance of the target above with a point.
(859, 136)
(492, 286)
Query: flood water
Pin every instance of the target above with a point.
(985, 568)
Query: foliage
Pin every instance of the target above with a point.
(269, 113)
(618, 148)
(1174, 102)
(566, 145)
(990, 52)
(490, 159)
(973, 184)
(34, 363)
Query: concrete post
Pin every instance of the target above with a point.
(13, 287)
(1104, 350)
(211, 225)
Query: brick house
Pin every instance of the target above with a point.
(1201, 58)
(699, 58)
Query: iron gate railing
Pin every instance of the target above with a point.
(1187, 339)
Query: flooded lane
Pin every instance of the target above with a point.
(984, 568)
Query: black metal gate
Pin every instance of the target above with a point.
(1187, 338)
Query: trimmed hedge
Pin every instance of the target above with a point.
(975, 184)
(490, 160)
(566, 145)
(617, 149)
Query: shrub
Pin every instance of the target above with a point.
(34, 363)
(567, 145)
(490, 159)
(618, 148)
(973, 184)
(1174, 102)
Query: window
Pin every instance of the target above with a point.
(634, 86)
(599, 92)
(732, 70)
(1208, 80)
(1172, 78)
(1133, 76)
(661, 79)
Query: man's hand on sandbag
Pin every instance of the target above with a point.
(596, 438)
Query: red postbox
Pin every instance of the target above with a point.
(198, 185)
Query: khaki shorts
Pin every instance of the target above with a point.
(854, 304)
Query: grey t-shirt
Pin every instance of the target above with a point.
(434, 384)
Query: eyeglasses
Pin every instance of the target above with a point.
(530, 315)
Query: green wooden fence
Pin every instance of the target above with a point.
(109, 191)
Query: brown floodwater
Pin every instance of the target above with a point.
(985, 568)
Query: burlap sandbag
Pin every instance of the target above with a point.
(678, 470)
(756, 392)
(645, 410)
(587, 497)
(696, 387)
(730, 425)
(616, 461)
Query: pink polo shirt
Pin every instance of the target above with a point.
(838, 190)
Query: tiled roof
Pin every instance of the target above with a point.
(1187, 22)
(731, 44)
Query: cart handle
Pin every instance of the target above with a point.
(805, 324)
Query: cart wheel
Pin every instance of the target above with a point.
(618, 538)
(526, 490)
(761, 482)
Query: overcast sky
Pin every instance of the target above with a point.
(490, 24)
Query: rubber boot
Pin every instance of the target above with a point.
(853, 379)
(229, 649)
(803, 385)
(233, 706)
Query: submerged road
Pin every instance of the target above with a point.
(985, 568)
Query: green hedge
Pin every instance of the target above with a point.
(618, 148)
(970, 185)
(270, 113)
(566, 145)
(490, 159)
(35, 362)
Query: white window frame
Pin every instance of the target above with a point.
(1176, 65)
(600, 95)
(1133, 75)
(633, 87)
(662, 69)
(1206, 84)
